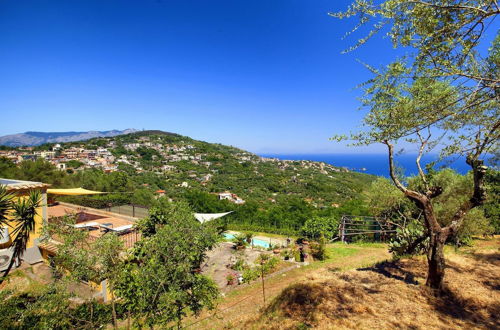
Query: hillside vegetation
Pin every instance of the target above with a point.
(269, 194)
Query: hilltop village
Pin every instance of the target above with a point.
(153, 154)
(107, 158)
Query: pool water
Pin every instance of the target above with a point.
(255, 241)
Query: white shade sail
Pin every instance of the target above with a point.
(204, 217)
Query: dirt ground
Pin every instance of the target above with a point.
(385, 296)
(220, 259)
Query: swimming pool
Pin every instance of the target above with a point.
(255, 241)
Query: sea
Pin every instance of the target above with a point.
(378, 164)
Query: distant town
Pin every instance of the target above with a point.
(161, 158)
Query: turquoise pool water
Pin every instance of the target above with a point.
(255, 241)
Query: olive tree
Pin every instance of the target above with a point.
(443, 94)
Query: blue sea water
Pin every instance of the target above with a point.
(377, 164)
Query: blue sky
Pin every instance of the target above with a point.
(266, 76)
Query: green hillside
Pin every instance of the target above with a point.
(274, 195)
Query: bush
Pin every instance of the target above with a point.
(409, 240)
(240, 265)
(100, 202)
(318, 249)
(249, 275)
(317, 227)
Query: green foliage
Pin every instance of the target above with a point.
(162, 214)
(50, 308)
(98, 201)
(318, 249)
(318, 227)
(410, 239)
(265, 264)
(457, 189)
(240, 240)
(74, 163)
(5, 205)
(492, 206)
(148, 154)
(278, 198)
(240, 264)
(23, 212)
(161, 283)
(248, 236)
(144, 197)
(441, 36)
(204, 202)
(250, 275)
(39, 170)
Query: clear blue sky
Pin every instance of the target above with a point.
(263, 75)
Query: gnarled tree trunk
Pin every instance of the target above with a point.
(438, 234)
(436, 261)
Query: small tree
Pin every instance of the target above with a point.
(249, 237)
(240, 241)
(318, 249)
(5, 205)
(265, 265)
(85, 258)
(161, 282)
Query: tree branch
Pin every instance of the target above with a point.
(457, 7)
(392, 171)
(423, 143)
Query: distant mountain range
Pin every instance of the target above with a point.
(38, 138)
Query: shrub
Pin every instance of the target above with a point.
(240, 264)
(317, 227)
(318, 249)
(409, 240)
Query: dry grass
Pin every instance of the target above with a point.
(391, 295)
(245, 302)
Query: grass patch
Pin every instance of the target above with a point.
(340, 251)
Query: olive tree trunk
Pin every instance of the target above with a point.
(423, 200)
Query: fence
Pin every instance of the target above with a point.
(352, 226)
(131, 210)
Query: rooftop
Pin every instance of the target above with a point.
(98, 222)
(21, 184)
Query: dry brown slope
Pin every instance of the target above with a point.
(245, 303)
(391, 295)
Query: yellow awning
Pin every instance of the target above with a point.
(73, 191)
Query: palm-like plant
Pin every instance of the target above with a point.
(24, 212)
(249, 237)
(240, 241)
(5, 206)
